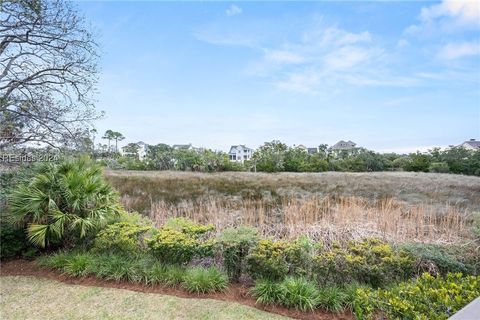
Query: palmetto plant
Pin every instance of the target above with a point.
(63, 201)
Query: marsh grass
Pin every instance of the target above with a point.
(394, 206)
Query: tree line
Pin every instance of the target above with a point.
(276, 156)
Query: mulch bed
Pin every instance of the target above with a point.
(236, 292)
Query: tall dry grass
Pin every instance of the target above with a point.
(324, 218)
(398, 206)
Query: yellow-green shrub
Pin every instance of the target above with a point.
(175, 247)
(188, 226)
(267, 260)
(427, 297)
(121, 237)
(370, 261)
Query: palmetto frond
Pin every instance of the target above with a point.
(37, 234)
(68, 197)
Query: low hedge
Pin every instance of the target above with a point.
(427, 297)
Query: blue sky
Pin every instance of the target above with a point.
(391, 76)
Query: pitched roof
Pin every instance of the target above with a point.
(182, 146)
(473, 143)
(343, 145)
(241, 146)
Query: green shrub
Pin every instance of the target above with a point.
(14, 242)
(444, 259)
(332, 298)
(57, 260)
(234, 244)
(427, 297)
(267, 260)
(114, 267)
(268, 292)
(200, 280)
(439, 167)
(369, 261)
(350, 291)
(63, 202)
(173, 275)
(121, 237)
(169, 275)
(299, 294)
(79, 265)
(188, 226)
(299, 256)
(175, 247)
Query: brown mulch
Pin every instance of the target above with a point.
(236, 292)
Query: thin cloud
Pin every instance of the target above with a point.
(464, 11)
(281, 56)
(459, 50)
(233, 10)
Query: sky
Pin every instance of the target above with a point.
(390, 76)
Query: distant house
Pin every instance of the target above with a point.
(240, 153)
(188, 147)
(343, 145)
(183, 147)
(307, 149)
(137, 149)
(471, 144)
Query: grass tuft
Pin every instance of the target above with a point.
(201, 280)
(334, 299)
(300, 294)
(268, 292)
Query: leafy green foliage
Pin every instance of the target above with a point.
(200, 280)
(63, 202)
(188, 226)
(234, 244)
(267, 260)
(299, 254)
(369, 261)
(14, 242)
(444, 259)
(292, 292)
(175, 247)
(427, 297)
(57, 260)
(121, 237)
(268, 292)
(79, 264)
(170, 275)
(332, 298)
(439, 167)
(299, 294)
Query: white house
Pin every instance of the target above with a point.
(141, 151)
(240, 153)
(471, 144)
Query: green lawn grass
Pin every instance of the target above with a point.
(33, 298)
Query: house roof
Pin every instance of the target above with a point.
(343, 145)
(240, 146)
(473, 143)
(182, 146)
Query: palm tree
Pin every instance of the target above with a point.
(63, 202)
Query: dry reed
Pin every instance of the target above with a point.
(324, 218)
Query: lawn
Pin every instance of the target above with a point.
(35, 298)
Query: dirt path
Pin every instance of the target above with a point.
(236, 293)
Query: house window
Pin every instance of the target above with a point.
(244, 157)
(233, 157)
